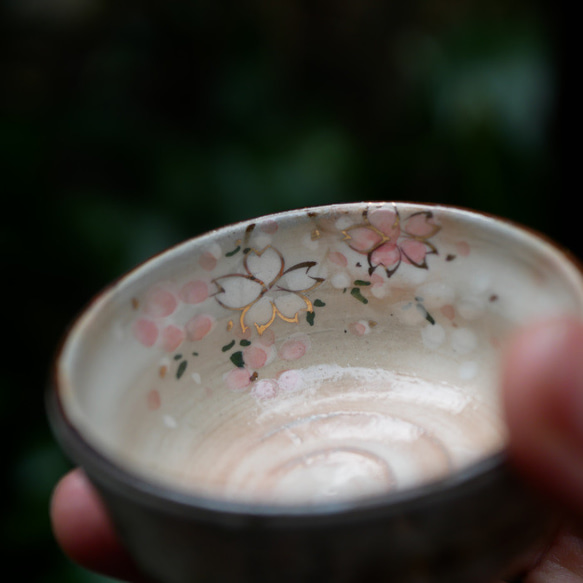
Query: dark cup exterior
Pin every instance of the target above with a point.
(472, 527)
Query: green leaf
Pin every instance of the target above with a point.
(319, 303)
(231, 253)
(181, 368)
(361, 282)
(228, 346)
(245, 343)
(237, 359)
(355, 292)
(310, 318)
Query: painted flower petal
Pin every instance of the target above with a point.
(290, 304)
(261, 313)
(414, 252)
(297, 278)
(265, 265)
(363, 239)
(387, 222)
(421, 225)
(237, 291)
(387, 254)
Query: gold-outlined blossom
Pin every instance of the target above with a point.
(267, 290)
(388, 241)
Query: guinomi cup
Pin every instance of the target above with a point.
(313, 396)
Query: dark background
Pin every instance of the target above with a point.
(126, 127)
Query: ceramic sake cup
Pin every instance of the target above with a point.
(313, 396)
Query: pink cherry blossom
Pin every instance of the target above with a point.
(387, 241)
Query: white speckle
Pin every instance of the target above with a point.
(436, 294)
(261, 241)
(480, 283)
(463, 341)
(433, 336)
(411, 275)
(343, 223)
(468, 370)
(471, 308)
(117, 331)
(408, 314)
(380, 291)
(170, 422)
(340, 280)
(164, 361)
(195, 377)
(310, 243)
(215, 250)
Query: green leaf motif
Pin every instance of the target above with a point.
(355, 292)
(310, 318)
(319, 303)
(228, 346)
(361, 282)
(231, 253)
(245, 342)
(181, 368)
(237, 359)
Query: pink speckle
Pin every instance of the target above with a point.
(160, 303)
(146, 332)
(254, 357)
(357, 328)
(194, 292)
(448, 311)
(238, 379)
(289, 380)
(338, 258)
(243, 335)
(267, 338)
(207, 261)
(153, 400)
(265, 389)
(172, 337)
(414, 251)
(292, 349)
(376, 280)
(463, 248)
(269, 227)
(199, 326)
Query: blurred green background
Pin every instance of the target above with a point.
(126, 127)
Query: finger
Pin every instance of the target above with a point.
(84, 531)
(563, 562)
(543, 398)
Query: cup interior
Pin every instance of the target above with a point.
(314, 356)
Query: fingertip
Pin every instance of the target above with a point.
(543, 402)
(84, 530)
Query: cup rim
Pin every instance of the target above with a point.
(105, 472)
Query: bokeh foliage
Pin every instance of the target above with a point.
(126, 127)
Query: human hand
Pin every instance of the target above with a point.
(543, 398)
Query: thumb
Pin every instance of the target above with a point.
(543, 400)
